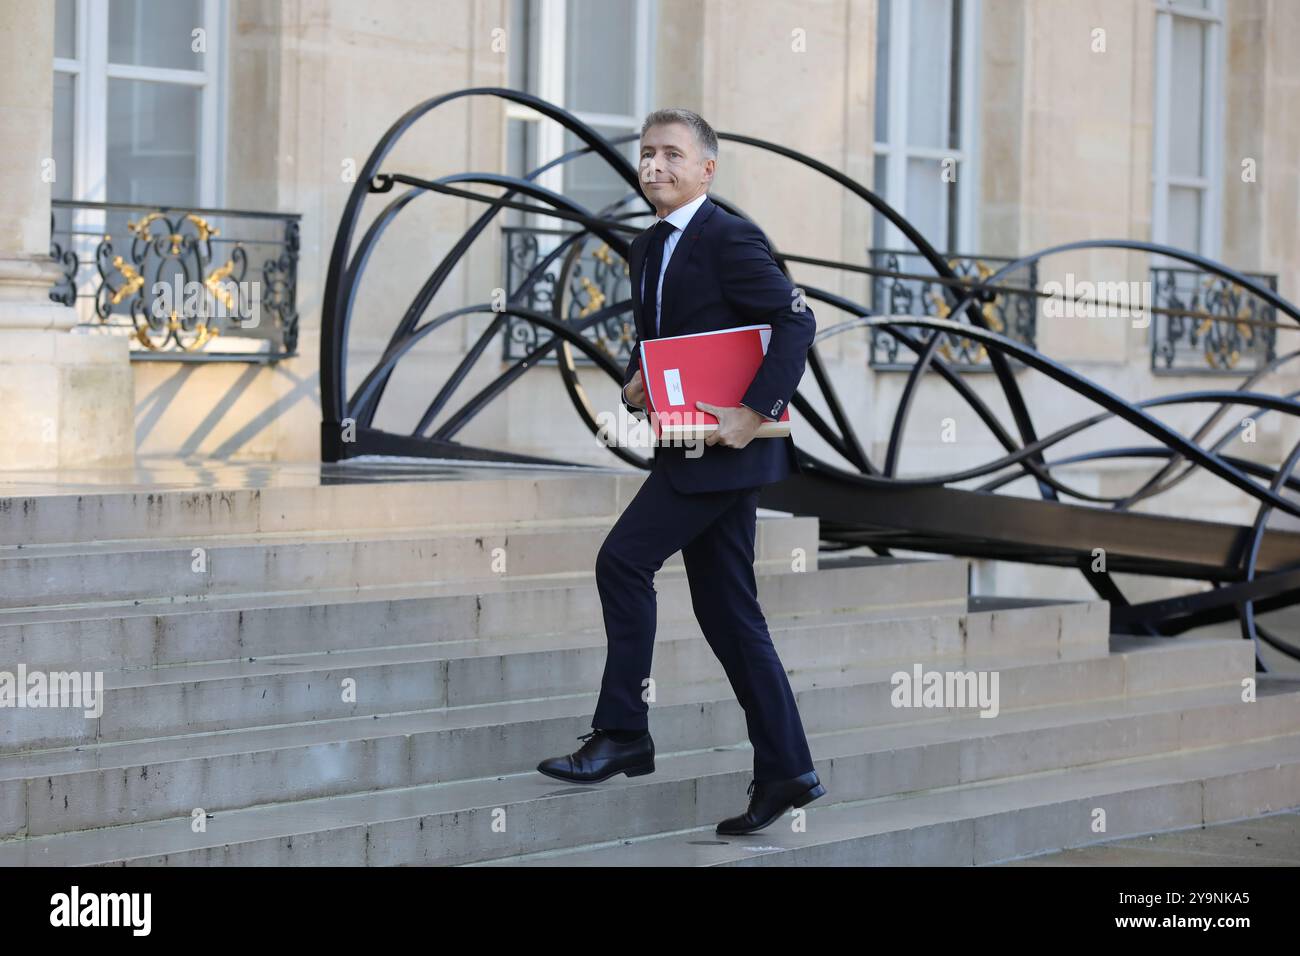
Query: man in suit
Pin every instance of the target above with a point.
(700, 269)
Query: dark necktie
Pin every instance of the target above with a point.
(650, 275)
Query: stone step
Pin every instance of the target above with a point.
(983, 823)
(456, 500)
(117, 571)
(199, 698)
(1239, 746)
(109, 636)
(115, 784)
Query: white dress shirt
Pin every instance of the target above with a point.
(679, 218)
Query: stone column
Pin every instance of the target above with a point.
(66, 399)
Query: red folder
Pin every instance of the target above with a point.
(714, 367)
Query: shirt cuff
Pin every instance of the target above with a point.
(631, 404)
(766, 418)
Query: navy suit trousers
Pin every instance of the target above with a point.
(714, 530)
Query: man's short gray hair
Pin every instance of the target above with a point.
(704, 134)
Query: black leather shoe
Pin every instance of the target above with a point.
(767, 801)
(601, 757)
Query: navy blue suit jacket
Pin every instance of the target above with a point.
(722, 274)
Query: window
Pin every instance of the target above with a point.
(924, 115)
(594, 58)
(1187, 164)
(138, 118)
(137, 110)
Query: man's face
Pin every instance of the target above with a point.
(673, 169)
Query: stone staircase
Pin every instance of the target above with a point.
(367, 673)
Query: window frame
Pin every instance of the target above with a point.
(895, 151)
(1210, 182)
(552, 60)
(91, 73)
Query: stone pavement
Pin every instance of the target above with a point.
(1272, 840)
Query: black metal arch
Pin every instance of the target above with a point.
(859, 503)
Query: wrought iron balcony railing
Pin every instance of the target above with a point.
(583, 279)
(1195, 344)
(1012, 314)
(181, 281)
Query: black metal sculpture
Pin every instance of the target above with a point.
(860, 503)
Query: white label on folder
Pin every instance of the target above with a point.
(673, 382)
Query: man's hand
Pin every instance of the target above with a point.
(736, 426)
(635, 391)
